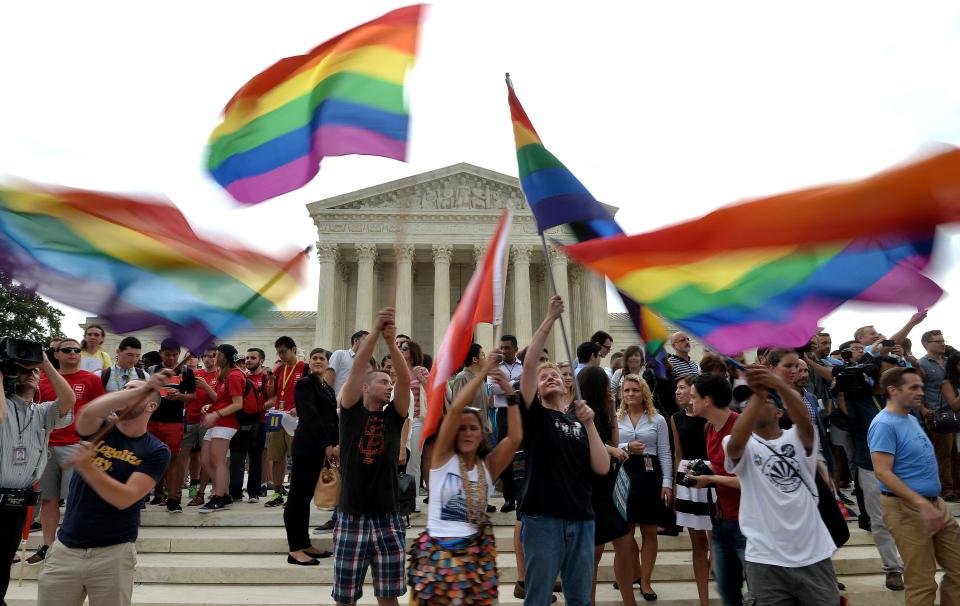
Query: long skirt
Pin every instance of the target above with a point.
(453, 571)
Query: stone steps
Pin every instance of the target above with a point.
(866, 590)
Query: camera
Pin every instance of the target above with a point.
(696, 468)
(14, 353)
(853, 377)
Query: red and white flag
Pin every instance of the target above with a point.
(482, 301)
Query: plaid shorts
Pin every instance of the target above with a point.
(362, 540)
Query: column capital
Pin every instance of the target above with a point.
(442, 253)
(404, 252)
(328, 253)
(478, 252)
(576, 275)
(366, 251)
(557, 256)
(520, 253)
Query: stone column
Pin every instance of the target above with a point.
(575, 306)
(404, 277)
(596, 292)
(366, 255)
(558, 264)
(441, 292)
(326, 296)
(484, 331)
(523, 328)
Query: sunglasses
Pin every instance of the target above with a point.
(69, 350)
(29, 371)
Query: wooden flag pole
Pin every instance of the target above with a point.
(563, 324)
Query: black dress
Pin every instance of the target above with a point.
(608, 523)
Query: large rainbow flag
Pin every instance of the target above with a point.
(556, 197)
(765, 272)
(137, 263)
(345, 96)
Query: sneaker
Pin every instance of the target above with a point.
(193, 490)
(508, 507)
(196, 500)
(276, 501)
(491, 508)
(844, 498)
(253, 499)
(158, 499)
(214, 504)
(325, 528)
(173, 506)
(37, 558)
(280, 490)
(951, 497)
(227, 501)
(36, 526)
(894, 581)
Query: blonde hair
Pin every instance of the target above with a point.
(645, 392)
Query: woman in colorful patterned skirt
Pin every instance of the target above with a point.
(454, 560)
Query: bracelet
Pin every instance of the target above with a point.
(512, 399)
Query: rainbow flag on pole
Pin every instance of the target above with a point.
(346, 96)
(137, 263)
(765, 272)
(556, 197)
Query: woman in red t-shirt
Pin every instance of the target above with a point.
(222, 424)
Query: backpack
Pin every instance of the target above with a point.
(105, 375)
(254, 401)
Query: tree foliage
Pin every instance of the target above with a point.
(25, 315)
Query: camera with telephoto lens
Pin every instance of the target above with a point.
(14, 354)
(853, 377)
(695, 468)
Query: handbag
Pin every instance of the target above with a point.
(621, 491)
(946, 420)
(407, 501)
(326, 495)
(826, 504)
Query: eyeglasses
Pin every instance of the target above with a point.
(471, 409)
(73, 350)
(936, 341)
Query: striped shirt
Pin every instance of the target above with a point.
(681, 367)
(27, 426)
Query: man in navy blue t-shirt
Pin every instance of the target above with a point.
(905, 464)
(94, 555)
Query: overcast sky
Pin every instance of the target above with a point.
(667, 110)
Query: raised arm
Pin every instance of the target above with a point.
(528, 381)
(66, 397)
(817, 367)
(743, 427)
(901, 335)
(402, 395)
(443, 446)
(352, 390)
(599, 459)
(92, 415)
(501, 458)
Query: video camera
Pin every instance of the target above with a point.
(853, 377)
(14, 354)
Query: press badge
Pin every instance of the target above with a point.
(19, 455)
(648, 463)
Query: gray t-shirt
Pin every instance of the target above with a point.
(27, 427)
(933, 376)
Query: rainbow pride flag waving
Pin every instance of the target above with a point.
(556, 197)
(345, 96)
(137, 263)
(765, 272)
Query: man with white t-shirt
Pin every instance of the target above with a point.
(788, 546)
(342, 361)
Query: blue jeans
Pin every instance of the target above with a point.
(728, 549)
(552, 546)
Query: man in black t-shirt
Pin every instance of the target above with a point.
(368, 529)
(94, 555)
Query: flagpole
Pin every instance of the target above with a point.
(563, 324)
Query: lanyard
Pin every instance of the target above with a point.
(116, 378)
(283, 387)
(21, 430)
(511, 368)
(876, 402)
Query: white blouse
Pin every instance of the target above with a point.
(653, 434)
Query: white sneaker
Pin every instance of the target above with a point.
(253, 499)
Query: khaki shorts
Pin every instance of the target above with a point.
(193, 436)
(55, 481)
(104, 574)
(278, 445)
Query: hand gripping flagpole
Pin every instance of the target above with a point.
(563, 324)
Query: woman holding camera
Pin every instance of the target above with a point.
(645, 436)
(692, 504)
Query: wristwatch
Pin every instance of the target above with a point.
(512, 399)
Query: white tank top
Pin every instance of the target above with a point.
(447, 515)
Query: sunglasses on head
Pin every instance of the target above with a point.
(73, 350)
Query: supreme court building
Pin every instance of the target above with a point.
(414, 243)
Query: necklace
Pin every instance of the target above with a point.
(474, 494)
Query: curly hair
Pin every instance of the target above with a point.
(648, 404)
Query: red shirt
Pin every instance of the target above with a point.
(226, 392)
(194, 415)
(87, 386)
(261, 381)
(287, 377)
(728, 498)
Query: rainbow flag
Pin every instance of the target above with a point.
(137, 263)
(765, 272)
(346, 96)
(556, 197)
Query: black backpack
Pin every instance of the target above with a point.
(105, 375)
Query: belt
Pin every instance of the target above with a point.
(890, 494)
(18, 497)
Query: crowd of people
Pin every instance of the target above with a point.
(750, 460)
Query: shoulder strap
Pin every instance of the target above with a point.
(105, 375)
(790, 465)
(140, 374)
